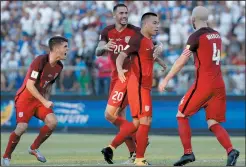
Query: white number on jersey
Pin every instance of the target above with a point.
(118, 49)
(216, 54)
(118, 96)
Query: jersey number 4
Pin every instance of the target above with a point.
(216, 54)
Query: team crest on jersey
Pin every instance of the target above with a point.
(147, 108)
(20, 114)
(127, 38)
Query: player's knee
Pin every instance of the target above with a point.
(145, 120)
(21, 128)
(109, 116)
(110, 113)
(179, 114)
(211, 122)
(51, 121)
(136, 122)
(121, 113)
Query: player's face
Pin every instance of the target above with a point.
(121, 15)
(153, 25)
(62, 50)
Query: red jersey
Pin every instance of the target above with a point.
(42, 73)
(141, 50)
(205, 44)
(121, 39)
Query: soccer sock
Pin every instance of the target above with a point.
(142, 140)
(44, 134)
(119, 121)
(134, 137)
(128, 140)
(125, 130)
(130, 144)
(185, 134)
(13, 141)
(222, 136)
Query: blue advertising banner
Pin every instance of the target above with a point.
(90, 113)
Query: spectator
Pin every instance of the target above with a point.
(68, 81)
(104, 72)
(238, 80)
(3, 82)
(84, 81)
(183, 83)
(27, 24)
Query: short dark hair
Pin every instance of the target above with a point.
(56, 40)
(147, 15)
(119, 5)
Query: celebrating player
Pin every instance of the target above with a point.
(208, 90)
(114, 39)
(32, 99)
(140, 49)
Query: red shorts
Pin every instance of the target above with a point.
(25, 109)
(139, 98)
(213, 100)
(118, 94)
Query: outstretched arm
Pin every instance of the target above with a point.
(177, 66)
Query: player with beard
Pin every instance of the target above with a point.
(113, 39)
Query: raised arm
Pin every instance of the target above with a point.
(177, 66)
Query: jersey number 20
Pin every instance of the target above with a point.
(118, 96)
(216, 54)
(118, 49)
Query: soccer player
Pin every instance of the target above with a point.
(114, 39)
(208, 90)
(140, 49)
(32, 99)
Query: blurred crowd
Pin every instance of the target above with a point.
(26, 27)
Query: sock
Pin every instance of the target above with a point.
(128, 140)
(126, 129)
(142, 140)
(130, 144)
(44, 134)
(222, 137)
(119, 121)
(13, 141)
(185, 134)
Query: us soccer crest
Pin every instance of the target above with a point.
(127, 38)
(147, 108)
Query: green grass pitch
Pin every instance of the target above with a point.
(84, 149)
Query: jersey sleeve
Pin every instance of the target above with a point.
(192, 43)
(34, 69)
(104, 35)
(133, 46)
